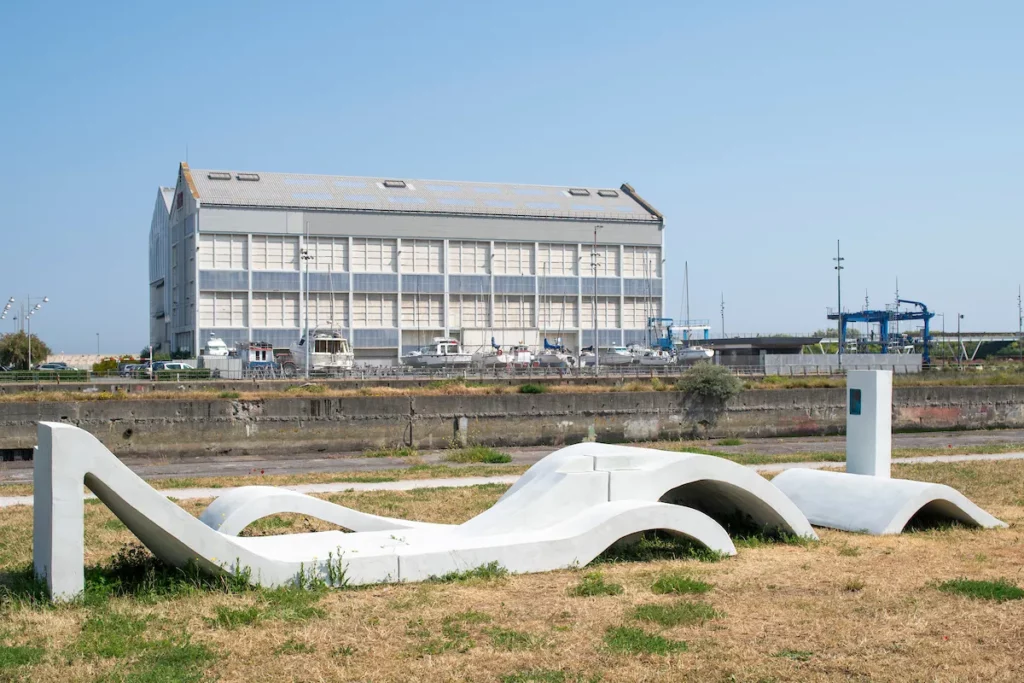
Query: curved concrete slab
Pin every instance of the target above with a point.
(561, 517)
(875, 505)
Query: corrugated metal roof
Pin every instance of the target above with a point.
(305, 191)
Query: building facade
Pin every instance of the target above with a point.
(159, 269)
(396, 262)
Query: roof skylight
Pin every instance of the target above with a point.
(395, 184)
(218, 175)
(247, 176)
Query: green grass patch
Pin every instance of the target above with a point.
(654, 546)
(266, 525)
(511, 640)
(308, 389)
(638, 641)
(678, 583)
(730, 442)
(532, 389)
(479, 454)
(1000, 590)
(676, 614)
(13, 656)
(486, 572)
(593, 584)
(228, 394)
(114, 525)
(109, 634)
(468, 617)
(232, 618)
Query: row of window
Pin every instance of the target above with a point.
(382, 255)
(281, 309)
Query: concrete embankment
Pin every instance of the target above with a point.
(191, 427)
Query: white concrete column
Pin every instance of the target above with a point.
(869, 422)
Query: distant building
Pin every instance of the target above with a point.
(396, 262)
(159, 269)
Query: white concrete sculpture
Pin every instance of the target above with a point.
(864, 498)
(877, 505)
(869, 422)
(563, 512)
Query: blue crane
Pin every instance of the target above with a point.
(883, 318)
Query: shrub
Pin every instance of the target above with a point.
(713, 383)
(532, 389)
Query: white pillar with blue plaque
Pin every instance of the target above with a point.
(869, 422)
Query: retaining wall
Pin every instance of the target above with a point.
(188, 428)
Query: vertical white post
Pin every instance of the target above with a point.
(58, 527)
(869, 422)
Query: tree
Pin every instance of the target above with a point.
(14, 349)
(714, 384)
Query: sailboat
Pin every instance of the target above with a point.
(687, 353)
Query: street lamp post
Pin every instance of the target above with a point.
(26, 310)
(959, 342)
(97, 343)
(839, 301)
(597, 346)
(306, 257)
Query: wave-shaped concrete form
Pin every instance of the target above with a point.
(876, 505)
(565, 483)
(566, 511)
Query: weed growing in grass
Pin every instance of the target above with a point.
(294, 647)
(676, 614)
(468, 617)
(114, 525)
(230, 618)
(344, 651)
(679, 584)
(1000, 590)
(637, 641)
(847, 550)
(485, 572)
(13, 656)
(267, 525)
(306, 389)
(512, 640)
(481, 454)
(532, 389)
(652, 545)
(593, 584)
(228, 394)
(399, 452)
(454, 638)
(854, 585)
(796, 655)
(743, 536)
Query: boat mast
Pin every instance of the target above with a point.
(686, 288)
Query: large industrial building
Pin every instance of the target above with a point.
(395, 262)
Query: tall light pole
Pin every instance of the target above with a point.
(839, 300)
(306, 256)
(723, 315)
(97, 343)
(26, 311)
(959, 342)
(597, 334)
(1020, 326)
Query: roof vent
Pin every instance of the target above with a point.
(247, 176)
(579, 192)
(218, 175)
(394, 183)
(608, 193)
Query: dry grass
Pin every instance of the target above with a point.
(780, 612)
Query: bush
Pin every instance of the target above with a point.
(710, 382)
(532, 389)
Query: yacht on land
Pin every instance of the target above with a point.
(444, 353)
(615, 355)
(330, 352)
(215, 346)
(688, 354)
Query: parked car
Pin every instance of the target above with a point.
(54, 367)
(175, 365)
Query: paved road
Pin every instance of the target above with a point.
(409, 484)
(223, 466)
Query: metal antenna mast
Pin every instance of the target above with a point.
(1020, 326)
(722, 309)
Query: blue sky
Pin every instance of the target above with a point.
(763, 132)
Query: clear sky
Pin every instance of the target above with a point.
(764, 131)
